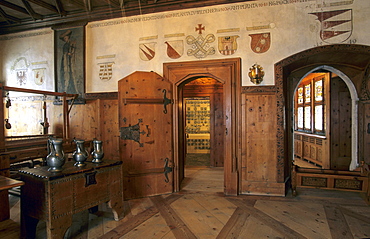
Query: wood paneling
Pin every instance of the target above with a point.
(109, 128)
(258, 164)
(98, 119)
(84, 121)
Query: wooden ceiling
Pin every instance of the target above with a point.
(22, 15)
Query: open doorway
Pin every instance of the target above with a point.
(228, 73)
(203, 127)
(323, 121)
(197, 131)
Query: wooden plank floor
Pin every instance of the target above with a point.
(201, 210)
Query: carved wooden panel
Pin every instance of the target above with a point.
(348, 184)
(314, 182)
(314, 149)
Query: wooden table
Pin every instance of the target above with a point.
(55, 197)
(5, 184)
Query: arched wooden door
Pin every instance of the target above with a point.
(145, 121)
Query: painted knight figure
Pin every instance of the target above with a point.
(81, 154)
(55, 159)
(98, 153)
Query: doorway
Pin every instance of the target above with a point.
(337, 58)
(203, 122)
(203, 134)
(323, 121)
(197, 131)
(228, 73)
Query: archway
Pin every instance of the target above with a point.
(351, 62)
(354, 110)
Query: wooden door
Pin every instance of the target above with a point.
(145, 121)
(340, 123)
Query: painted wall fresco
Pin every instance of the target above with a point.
(262, 32)
(27, 60)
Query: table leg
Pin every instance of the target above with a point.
(116, 203)
(4, 208)
(28, 226)
(57, 227)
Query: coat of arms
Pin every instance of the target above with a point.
(21, 76)
(260, 42)
(20, 67)
(175, 48)
(227, 45)
(39, 76)
(147, 51)
(336, 26)
(106, 71)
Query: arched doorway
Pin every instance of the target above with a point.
(203, 119)
(351, 62)
(332, 142)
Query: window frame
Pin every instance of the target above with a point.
(306, 121)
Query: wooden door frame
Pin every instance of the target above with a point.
(227, 71)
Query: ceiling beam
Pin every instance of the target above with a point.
(77, 4)
(60, 8)
(8, 18)
(44, 5)
(13, 6)
(88, 6)
(33, 14)
(127, 8)
(113, 3)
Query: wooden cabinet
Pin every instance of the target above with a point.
(312, 148)
(55, 197)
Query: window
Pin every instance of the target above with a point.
(310, 110)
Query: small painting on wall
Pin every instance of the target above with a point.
(70, 61)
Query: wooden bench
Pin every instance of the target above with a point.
(356, 181)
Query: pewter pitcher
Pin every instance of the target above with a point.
(81, 154)
(55, 159)
(98, 153)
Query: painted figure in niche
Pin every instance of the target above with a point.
(68, 64)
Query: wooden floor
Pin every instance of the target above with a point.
(201, 210)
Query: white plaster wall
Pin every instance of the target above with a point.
(291, 26)
(29, 50)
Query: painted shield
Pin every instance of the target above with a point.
(39, 76)
(147, 51)
(336, 26)
(21, 77)
(175, 49)
(260, 42)
(227, 45)
(106, 71)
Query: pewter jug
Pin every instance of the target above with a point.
(55, 159)
(98, 153)
(81, 154)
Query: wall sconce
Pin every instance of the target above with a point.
(256, 74)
